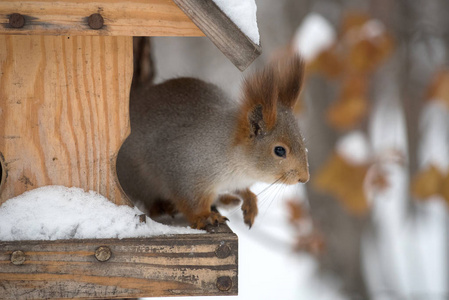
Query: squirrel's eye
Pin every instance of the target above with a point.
(280, 151)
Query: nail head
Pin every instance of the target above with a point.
(224, 283)
(103, 253)
(18, 257)
(95, 21)
(223, 251)
(16, 20)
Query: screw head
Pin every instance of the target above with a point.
(95, 21)
(224, 283)
(16, 20)
(223, 251)
(103, 253)
(18, 257)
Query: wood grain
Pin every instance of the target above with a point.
(237, 47)
(121, 18)
(158, 266)
(64, 112)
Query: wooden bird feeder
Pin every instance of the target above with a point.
(65, 75)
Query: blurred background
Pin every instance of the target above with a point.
(372, 223)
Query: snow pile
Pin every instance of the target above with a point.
(57, 212)
(314, 35)
(243, 14)
(354, 148)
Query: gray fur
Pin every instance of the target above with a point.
(180, 141)
(182, 145)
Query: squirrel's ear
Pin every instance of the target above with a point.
(260, 96)
(289, 71)
(257, 126)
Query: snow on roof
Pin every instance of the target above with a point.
(314, 35)
(57, 212)
(243, 14)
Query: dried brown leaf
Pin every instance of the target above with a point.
(427, 182)
(377, 180)
(327, 63)
(353, 21)
(345, 181)
(367, 54)
(313, 244)
(439, 87)
(351, 106)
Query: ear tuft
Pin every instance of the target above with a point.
(260, 94)
(256, 122)
(289, 70)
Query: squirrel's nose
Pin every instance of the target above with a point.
(303, 178)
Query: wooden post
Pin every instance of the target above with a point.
(63, 111)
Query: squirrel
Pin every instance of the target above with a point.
(191, 145)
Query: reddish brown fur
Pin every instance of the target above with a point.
(227, 199)
(200, 215)
(290, 71)
(280, 81)
(249, 206)
(258, 90)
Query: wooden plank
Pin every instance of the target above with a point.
(239, 49)
(121, 18)
(199, 264)
(64, 112)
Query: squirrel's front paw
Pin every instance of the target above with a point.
(250, 211)
(214, 218)
(249, 206)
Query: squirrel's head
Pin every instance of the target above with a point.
(267, 129)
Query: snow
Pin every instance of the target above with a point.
(435, 131)
(243, 14)
(432, 222)
(387, 130)
(313, 36)
(57, 212)
(404, 254)
(354, 148)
